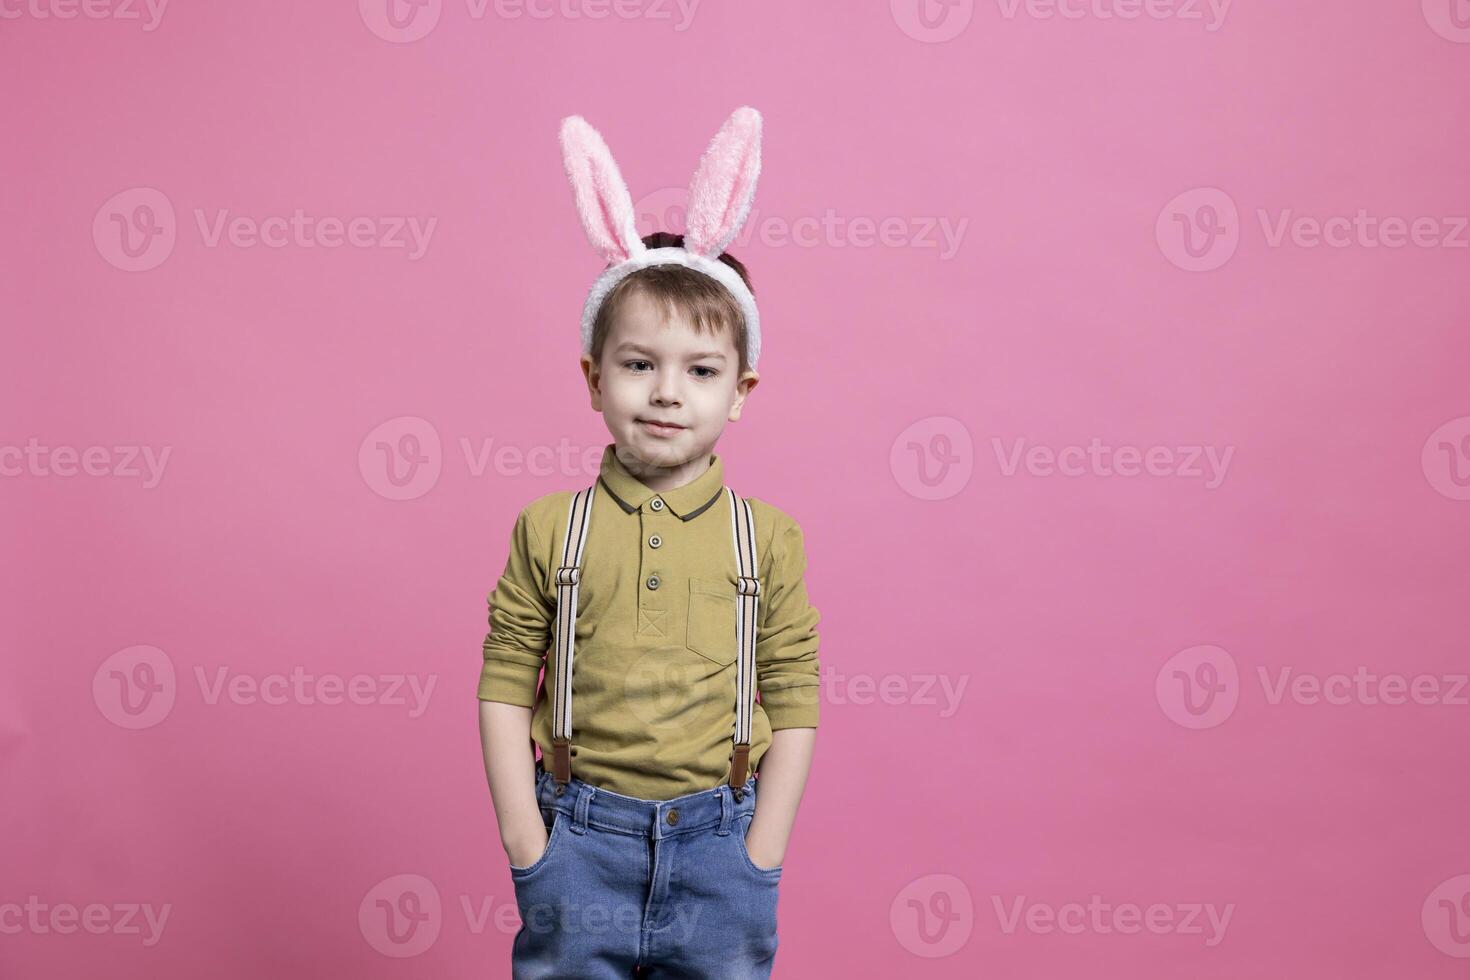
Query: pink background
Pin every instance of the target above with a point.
(1088, 298)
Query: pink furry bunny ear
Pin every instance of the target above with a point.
(724, 185)
(602, 197)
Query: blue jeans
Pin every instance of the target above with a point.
(665, 887)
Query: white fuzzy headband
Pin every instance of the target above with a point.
(719, 202)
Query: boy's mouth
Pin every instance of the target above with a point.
(660, 428)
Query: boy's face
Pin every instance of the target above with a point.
(656, 368)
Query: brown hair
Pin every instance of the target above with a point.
(679, 289)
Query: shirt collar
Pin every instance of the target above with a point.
(686, 502)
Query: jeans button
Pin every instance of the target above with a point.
(673, 817)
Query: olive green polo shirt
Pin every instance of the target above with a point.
(653, 692)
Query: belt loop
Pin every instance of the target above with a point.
(585, 793)
(726, 810)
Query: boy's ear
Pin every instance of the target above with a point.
(594, 381)
(743, 388)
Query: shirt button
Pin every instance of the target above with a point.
(673, 817)
(654, 541)
(653, 581)
(657, 504)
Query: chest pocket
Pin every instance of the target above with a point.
(711, 629)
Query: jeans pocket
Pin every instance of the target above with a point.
(742, 828)
(555, 832)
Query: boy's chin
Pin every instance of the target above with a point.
(656, 450)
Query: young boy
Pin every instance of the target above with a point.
(635, 842)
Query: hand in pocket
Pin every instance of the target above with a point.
(525, 849)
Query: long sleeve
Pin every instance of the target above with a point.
(520, 622)
(786, 640)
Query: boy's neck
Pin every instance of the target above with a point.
(662, 479)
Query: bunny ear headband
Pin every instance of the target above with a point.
(719, 202)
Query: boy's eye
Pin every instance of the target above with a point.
(638, 365)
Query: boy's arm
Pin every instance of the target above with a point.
(510, 767)
(514, 649)
(782, 781)
(788, 678)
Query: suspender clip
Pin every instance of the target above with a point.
(748, 586)
(739, 766)
(568, 575)
(561, 763)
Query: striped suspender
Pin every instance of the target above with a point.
(748, 602)
(568, 577)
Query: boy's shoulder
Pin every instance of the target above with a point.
(547, 511)
(774, 520)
